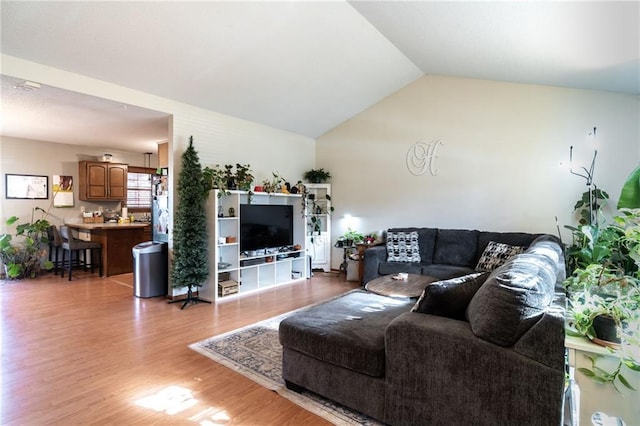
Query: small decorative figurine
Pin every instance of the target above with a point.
(232, 212)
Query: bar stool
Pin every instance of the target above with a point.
(72, 245)
(55, 243)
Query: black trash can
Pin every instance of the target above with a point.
(150, 269)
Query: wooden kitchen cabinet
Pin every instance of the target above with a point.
(102, 181)
(163, 154)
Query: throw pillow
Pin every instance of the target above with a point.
(403, 247)
(495, 255)
(449, 298)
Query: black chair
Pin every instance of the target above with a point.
(55, 243)
(72, 246)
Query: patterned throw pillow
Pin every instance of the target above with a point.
(403, 247)
(495, 255)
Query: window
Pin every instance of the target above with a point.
(139, 182)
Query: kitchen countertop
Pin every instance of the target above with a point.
(107, 225)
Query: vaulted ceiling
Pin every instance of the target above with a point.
(308, 66)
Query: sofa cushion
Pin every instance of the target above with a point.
(512, 238)
(389, 268)
(496, 254)
(347, 331)
(450, 298)
(403, 247)
(426, 241)
(444, 272)
(456, 247)
(512, 299)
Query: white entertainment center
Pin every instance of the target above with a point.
(234, 272)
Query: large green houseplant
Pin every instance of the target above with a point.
(23, 253)
(604, 288)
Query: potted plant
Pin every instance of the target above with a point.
(22, 254)
(215, 178)
(604, 292)
(273, 185)
(352, 237)
(605, 307)
(229, 175)
(602, 302)
(243, 177)
(317, 175)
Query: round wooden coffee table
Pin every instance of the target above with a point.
(411, 287)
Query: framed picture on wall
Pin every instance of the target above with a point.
(26, 187)
(62, 191)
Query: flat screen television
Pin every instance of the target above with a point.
(265, 226)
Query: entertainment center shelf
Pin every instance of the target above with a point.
(235, 270)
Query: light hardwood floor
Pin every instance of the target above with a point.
(88, 352)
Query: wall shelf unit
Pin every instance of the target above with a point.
(233, 272)
(318, 220)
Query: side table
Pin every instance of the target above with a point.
(361, 247)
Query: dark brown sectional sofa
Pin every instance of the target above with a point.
(502, 364)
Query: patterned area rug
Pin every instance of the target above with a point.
(255, 352)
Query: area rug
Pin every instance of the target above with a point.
(255, 352)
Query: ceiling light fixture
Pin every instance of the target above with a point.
(27, 86)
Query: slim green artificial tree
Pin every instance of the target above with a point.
(190, 239)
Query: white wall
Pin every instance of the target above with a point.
(218, 138)
(499, 165)
(24, 156)
(497, 170)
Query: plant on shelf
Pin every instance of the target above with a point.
(243, 177)
(227, 179)
(315, 225)
(215, 178)
(274, 185)
(190, 239)
(231, 178)
(23, 254)
(352, 237)
(317, 175)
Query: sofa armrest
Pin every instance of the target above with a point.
(372, 258)
(435, 363)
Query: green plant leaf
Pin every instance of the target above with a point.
(587, 372)
(631, 365)
(630, 193)
(625, 382)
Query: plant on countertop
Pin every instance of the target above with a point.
(23, 255)
(190, 238)
(317, 175)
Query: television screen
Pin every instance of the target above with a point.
(265, 226)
